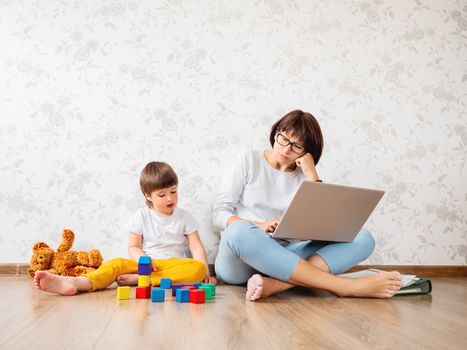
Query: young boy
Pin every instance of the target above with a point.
(159, 230)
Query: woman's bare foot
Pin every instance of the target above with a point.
(261, 287)
(62, 285)
(130, 279)
(254, 287)
(382, 285)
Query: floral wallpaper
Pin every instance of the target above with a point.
(90, 91)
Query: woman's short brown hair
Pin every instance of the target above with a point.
(156, 176)
(304, 127)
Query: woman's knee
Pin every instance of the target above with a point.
(365, 242)
(236, 235)
(231, 275)
(236, 229)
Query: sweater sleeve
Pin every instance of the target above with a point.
(230, 190)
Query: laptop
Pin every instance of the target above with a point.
(327, 212)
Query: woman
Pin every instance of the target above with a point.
(255, 192)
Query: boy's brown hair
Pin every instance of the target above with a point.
(156, 176)
(304, 127)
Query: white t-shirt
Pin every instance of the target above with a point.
(254, 190)
(163, 237)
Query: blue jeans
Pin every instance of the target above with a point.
(245, 249)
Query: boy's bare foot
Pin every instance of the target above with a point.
(62, 285)
(382, 285)
(261, 287)
(130, 279)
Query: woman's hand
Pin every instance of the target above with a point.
(307, 164)
(267, 226)
(210, 279)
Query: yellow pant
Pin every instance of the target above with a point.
(177, 269)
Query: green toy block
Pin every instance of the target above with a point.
(207, 291)
(212, 286)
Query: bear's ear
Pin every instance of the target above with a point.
(40, 245)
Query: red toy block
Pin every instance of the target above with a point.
(143, 292)
(197, 296)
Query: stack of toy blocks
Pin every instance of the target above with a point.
(143, 291)
(196, 293)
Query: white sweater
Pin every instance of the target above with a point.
(254, 190)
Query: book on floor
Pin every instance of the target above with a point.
(411, 283)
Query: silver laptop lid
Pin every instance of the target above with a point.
(327, 212)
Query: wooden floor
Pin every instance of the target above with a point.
(293, 320)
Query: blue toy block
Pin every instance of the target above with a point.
(144, 265)
(157, 295)
(165, 283)
(176, 286)
(197, 284)
(183, 295)
(144, 260)
(144, 269)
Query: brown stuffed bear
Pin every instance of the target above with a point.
(63, 262)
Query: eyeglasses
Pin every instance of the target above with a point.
(284, 142)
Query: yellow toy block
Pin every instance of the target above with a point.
(144, 280)
(123, 293)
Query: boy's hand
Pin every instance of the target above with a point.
(210, 279)
(154, 268)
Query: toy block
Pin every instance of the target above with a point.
(144, 269)
(212, 286)
(165, 283)
(207, 291)
(175, 287)
(144, 260)
(158, 295)
(197, 296)
(144, 281)
(182, 295)
(123, 293)
(143, 292)
(189, 287)
(144, 265)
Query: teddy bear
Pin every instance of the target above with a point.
(63, 262)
